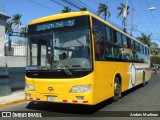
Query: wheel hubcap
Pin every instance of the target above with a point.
(117, 87)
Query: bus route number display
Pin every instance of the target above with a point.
(56, 24)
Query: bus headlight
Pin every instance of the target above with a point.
(29, 87)
(80, 89)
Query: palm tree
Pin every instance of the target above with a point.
(148, 41)
(24, 31)
(145, 39)
(9, 31)
(66, 10)
(103, 9)
(121, 13)
(158, 49)
(8, 28)
(16, 20)
(83, 9)
(154, 48)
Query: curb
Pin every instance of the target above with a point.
(12, 103)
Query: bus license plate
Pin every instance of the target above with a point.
(51, 98)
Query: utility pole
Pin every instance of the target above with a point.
(125, 16)
(132, 21)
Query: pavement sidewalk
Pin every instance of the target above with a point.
(16, 97)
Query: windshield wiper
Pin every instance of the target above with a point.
(62, 66)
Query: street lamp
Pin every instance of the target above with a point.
(152, 8)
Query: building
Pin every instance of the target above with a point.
(5, 88)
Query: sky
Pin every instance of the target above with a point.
(145, 20)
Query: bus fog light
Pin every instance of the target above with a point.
(29, 87)
(28, 95)
(80, 97)
(81, 89)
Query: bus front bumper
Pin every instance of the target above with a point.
(70, 98)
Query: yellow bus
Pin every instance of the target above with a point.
(78, 58)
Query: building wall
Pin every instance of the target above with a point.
(5, 88)
(16, 69)
(2, 36)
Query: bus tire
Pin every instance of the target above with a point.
(117, 89)
(143, 80)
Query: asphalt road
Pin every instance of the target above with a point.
(138, 101)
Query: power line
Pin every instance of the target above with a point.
(61, 4)
(137, 13)
(76, 5)
(72, 4)
(42, 5)
(144, 23)
(85, 5)
(146, 14)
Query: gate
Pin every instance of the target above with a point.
(15, 44)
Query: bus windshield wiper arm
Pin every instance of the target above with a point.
(63, 66)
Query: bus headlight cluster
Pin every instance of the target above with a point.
(29, 87)
(80, 89)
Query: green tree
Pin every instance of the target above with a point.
(66, 10)
(9, 31)
(8, 28)
(16, 20)
(83, 9)
(145, 39)
(103, 9)
(24, 31)
(148, 41)
(154, 48)
(121, 10)
(155, 59)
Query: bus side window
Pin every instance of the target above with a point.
(119, 39)
(99, 35)
(63, 56)
(99, 46)
(117, 53)
(124, 41)
(108, 34)
(128, 42)
(115, 37)
(108, 51)
(127, 54)
(132, 45)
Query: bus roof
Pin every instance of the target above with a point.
(75, 14)
(59, 16)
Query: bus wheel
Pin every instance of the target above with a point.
(117, 89)
(143, 80)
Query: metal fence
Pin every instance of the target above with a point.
(15, 45)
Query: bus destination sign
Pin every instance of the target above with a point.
(55, 24)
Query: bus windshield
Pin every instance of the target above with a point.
(69, 49)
